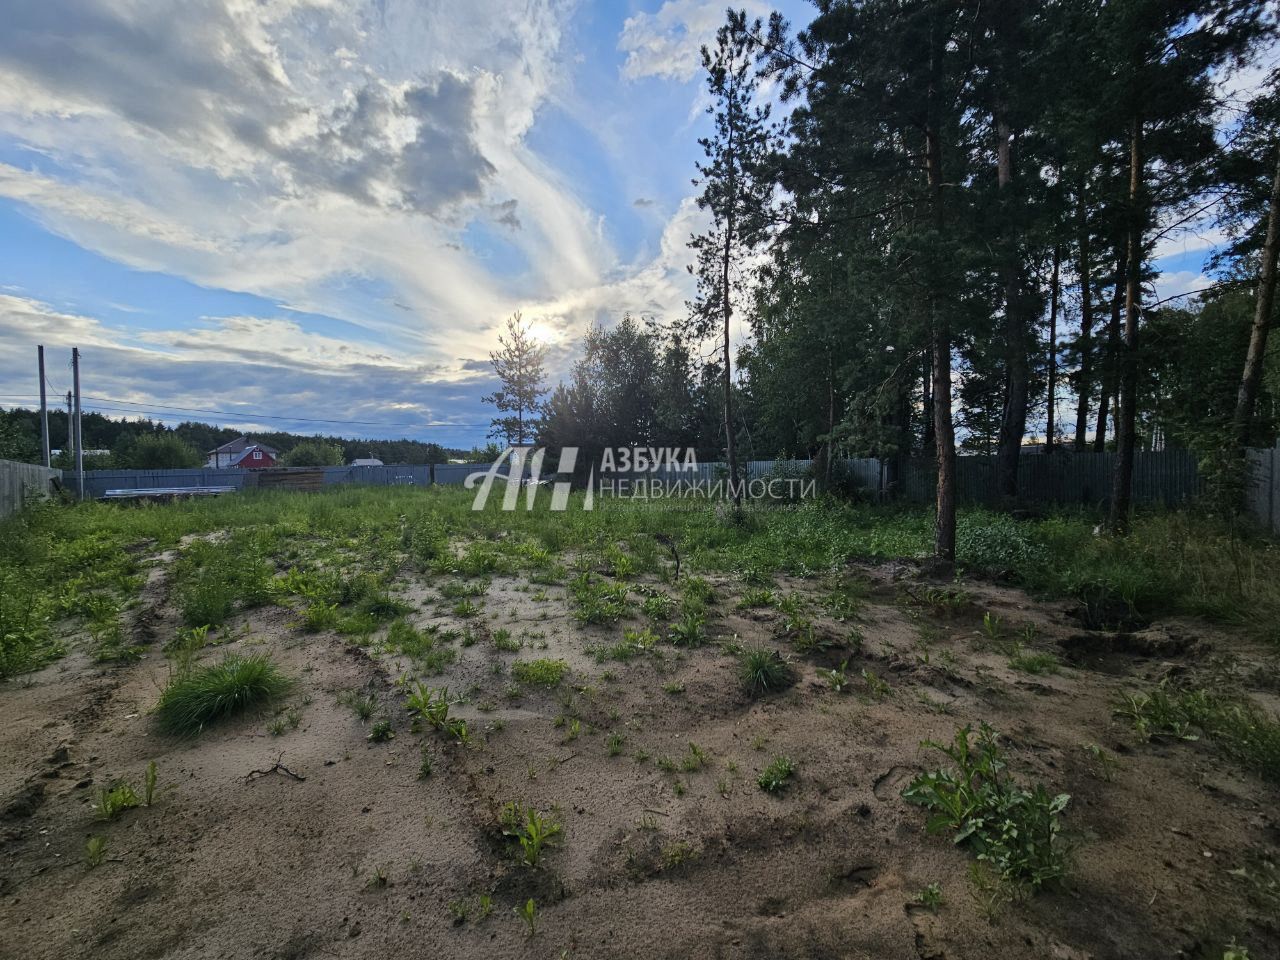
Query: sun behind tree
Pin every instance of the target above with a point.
(518, 364)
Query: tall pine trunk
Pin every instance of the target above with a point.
(1013, 421)
(730, 441)
(1122, 485)
(1051, 418)
(1247, 396)
(944, 526)
(1111, 361)
(1084, 381)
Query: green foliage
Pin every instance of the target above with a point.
(530, 828)
(596, 601)
(689, 631)
(777, 775)
(314, 453)
(95, 851)
(192, 701)
(382, 731)
(115, 800)
(1015, 830)
(1235, 724)
(149, 783)
(528, 912)
(539, 673)
(761, 671)
(163, 451)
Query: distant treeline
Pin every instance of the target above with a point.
(146, 444)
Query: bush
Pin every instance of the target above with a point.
(314, 453)
(762, 671)
(193, 700)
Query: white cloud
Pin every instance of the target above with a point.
(668, 43)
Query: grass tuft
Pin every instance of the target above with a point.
(206, 695)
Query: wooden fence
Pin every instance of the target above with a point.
(1263, 494)
(18, 481)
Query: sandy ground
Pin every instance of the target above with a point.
(357, 856)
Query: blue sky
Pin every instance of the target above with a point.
(327, 209)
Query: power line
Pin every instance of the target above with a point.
(137, 407)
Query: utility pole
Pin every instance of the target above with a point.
(71, 434)
(75, 386)
(44, 409)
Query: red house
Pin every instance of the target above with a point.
(243, 452)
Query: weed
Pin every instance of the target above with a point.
(930, 897)
(115, 800)
(837, 678)
(318, 616)
(1013, 829)
(528, 912)
(540, 673)
(458, 911)
(485, 906)
(754, 598)
(1233, 722)
(1035, 663)
(95, 851)
(465, 609)
(761, 671)
(878, 688)
(382, 731)
(776, 775)
(531, 829)
(614, 744)
(503, 641)
(689, 631)
(1106, 762)
(363, 705)
(657, 607)
(149, 783)
(596, 601)
(694, 759)
(206, 695)
(425, 765)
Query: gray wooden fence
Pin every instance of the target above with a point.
(1263, 493)
(1169, 477)
(18, 481)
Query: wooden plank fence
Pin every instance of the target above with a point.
(1262, 496)
(18, 481)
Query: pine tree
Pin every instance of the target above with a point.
(736, 194)
(519, 365)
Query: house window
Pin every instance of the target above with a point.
(257, 454)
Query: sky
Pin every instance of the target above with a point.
(316, 215)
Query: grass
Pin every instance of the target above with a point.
(115, 800)
(531, 829)
(275, 545)
(761, 671)
(1234, 724)
(206, 695)
(539, 673)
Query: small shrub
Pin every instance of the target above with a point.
(206, 695)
